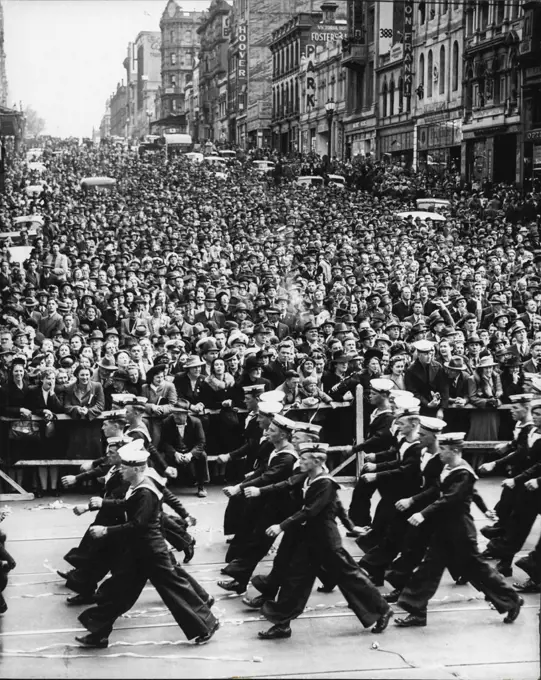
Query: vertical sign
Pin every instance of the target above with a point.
(242, 63)
(408, 48)
(310, 77)
(225, 26)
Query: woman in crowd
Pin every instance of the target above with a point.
(84, 401)
(43, 402)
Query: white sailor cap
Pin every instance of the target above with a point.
(382, 385)
(432, 424)
(451, 438)
(270, 408)
(133, 453)
(284, 423)
(273, 395)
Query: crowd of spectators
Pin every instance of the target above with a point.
(177, 285)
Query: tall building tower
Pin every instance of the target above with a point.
(250, 66)
(180, 45)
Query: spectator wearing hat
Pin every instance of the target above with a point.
(104, 370)
(485, 393)
(280, 330)
(84, 401)
(137, 320)
(182, 442)
(519, 341)
(426, 379)
(188, 385)
(117, 385)
(210, 317)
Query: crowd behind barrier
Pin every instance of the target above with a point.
(175, 285)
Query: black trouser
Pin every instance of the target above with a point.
(380, 557)
(248, 556)
(426, 579)
(362, 597)
(518, 525)
(359, 508)
(122, 590)
(414, 547)
(175, 530)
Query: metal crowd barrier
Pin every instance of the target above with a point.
(356, 459)
(22, 494)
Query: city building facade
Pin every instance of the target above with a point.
(179, 49)
(213, 35)
(118, 111)
(492, 82)
(437, 99)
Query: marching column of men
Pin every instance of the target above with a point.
(422, 524)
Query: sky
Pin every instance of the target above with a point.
(64, 57)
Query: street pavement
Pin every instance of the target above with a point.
(464, 639)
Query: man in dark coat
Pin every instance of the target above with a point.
(182, 441)
(254, 543)
(426, 379)
(453, 543)
(210, 317)
(144, 556)
(379, 438)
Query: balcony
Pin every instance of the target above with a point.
(354, 54)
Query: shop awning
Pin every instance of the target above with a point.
(11, 122)
(171, 121)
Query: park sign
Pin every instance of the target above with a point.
(328, 33)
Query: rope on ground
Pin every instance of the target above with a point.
(38, 652)
(375, 646)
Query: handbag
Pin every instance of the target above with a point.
(25, 429)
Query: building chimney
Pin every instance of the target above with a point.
(329, 10)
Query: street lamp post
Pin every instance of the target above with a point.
(330, 107)
(149, 115)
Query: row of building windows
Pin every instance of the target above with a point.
(286, 58)
(480, 13)
(436, 73)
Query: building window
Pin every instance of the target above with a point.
(515, 9)
(455, 66)
(371, 24)
(421, 75)
(173, 80)
(422, 12)
(172, 36)
(173, 59)
(444, 6)
(442, 73)
(370, 85)
(384, 99)
(500, 11)
(400, 94)
(391, 98)
(429, 74)
(484, 9)
(359, 86)
(469, 21)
